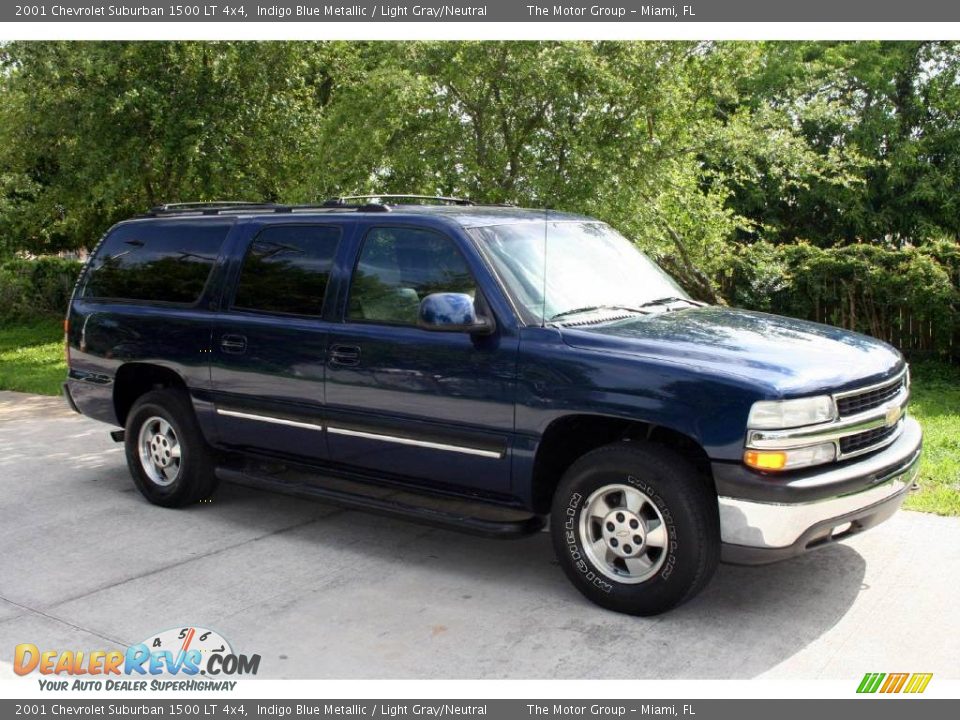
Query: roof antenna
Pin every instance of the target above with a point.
(543, 311)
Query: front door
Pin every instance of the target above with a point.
(414, 403)
(270, 343)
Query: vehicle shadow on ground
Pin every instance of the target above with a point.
(747, 621)
(388, 598)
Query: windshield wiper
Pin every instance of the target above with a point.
(671, 299)
(589, 308)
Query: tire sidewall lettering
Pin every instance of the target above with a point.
(573, 546)
(673, 543)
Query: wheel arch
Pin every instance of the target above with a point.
(569, 437)
(134, 379)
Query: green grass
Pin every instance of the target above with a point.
(31, 357)
(936, 404)
(32, 360)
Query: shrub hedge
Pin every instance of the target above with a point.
(33, 289)
(909, 297)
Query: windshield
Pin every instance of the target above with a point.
(588, 266)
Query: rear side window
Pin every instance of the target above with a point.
(156, 261)
(286, 270)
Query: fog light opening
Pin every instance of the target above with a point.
(841, 529)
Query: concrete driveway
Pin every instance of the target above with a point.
(87, 563)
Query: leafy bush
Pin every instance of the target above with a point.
(35, 289)
(908, 297)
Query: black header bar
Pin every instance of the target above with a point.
(626, 11)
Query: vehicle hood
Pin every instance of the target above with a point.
(788, 357)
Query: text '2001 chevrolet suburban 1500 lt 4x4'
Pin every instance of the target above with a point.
(493, 367)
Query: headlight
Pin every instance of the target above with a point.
(779, 414)
(789, 459)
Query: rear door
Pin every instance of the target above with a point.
(434, 407)
(270, 339)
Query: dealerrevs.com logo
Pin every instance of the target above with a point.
(894, 683)
(187, 658)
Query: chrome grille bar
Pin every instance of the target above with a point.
(853, 434)
(860, 400)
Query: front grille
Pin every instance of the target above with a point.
(868, 438)
(861, 402)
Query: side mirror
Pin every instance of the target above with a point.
(452, 312)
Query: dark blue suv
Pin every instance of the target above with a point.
(489, 369)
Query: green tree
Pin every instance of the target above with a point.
(893, 108)
(687, 147)
(93, 132)
(646, 135)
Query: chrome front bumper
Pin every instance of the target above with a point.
(868, 491)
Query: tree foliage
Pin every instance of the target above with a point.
(692, 149)
(93, 132)
(893, 109)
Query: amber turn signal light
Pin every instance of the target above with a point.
(765, 459)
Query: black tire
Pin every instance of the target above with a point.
(194, 478)
(679, 499)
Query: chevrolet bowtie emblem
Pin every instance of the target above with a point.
(893, 414)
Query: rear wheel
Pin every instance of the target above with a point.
(635, 528)
(170, 462)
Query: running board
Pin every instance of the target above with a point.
(451, 514)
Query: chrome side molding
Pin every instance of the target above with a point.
(416, 443)
(349, 432)
(270, 419)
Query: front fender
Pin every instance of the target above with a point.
(555, 379)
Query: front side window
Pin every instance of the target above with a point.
(286, 270)
(399, 267)
(557, 269)
(156, 261)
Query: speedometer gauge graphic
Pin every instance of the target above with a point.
(179, 641)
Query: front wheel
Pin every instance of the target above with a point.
(635, 528)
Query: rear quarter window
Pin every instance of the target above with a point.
(156, 261)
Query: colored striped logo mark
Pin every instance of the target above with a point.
(894, 682)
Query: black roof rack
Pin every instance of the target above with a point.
(344, 200)
(217, 208)
(212, 207)
(341, 204)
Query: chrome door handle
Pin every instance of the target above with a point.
(233, 344)
(345, 355)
